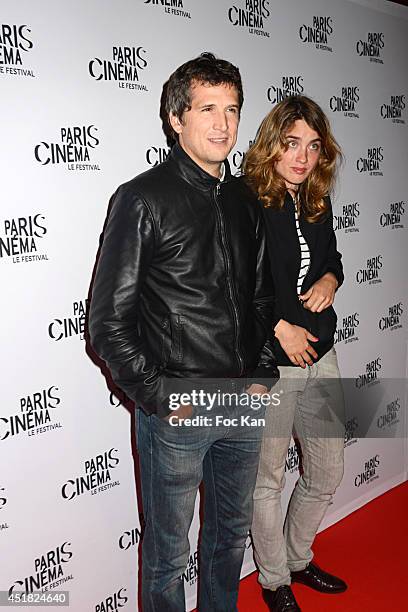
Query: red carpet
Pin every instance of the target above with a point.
(368, 549)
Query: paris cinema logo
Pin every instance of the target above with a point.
(251, 14)
(346, 101)
(76, 149)
(371, 273)
(371, 47)
(292, 460)
(350, 432)
(37, 414)
(171, 7)
(15, 44)
(130, 537)
(71, 325)
(347, 332)
(97, 477)
(371, 164)
(114, 602)
(3, 502)
(124, 67)
(317, 33)
(392, 319)
(50, 571)
(156, 155)
(348, 219)
(370, 375)
(393, 216)
(391, 415)
(369, 472)
(22, 239)
(237, 157)
(3, 498)
(291, 85)
(393, 109)
(190, 575)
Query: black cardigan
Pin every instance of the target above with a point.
(284, 253)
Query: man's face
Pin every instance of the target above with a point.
(208, 131)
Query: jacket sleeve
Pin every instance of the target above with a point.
(334, 264)
(264, 303)
(126, 252)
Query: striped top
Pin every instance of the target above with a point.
(304, 255)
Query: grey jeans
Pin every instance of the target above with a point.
(312, 402)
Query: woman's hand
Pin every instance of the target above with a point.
(295, 342)
(321, 293)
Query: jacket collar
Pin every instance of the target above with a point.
(289, 201)
(192, 173)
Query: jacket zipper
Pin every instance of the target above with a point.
(231, 290)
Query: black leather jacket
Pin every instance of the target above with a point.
(182, 287)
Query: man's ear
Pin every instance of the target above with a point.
(175, 123)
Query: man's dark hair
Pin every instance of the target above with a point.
(205, 68)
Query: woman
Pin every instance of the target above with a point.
(292, 166)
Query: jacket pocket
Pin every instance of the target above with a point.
(172, 339)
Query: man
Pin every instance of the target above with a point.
(182, 291)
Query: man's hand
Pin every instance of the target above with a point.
(184, 411)
(295, 342)
(321, 293)
(257, 389)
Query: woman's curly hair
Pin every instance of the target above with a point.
(260, 160)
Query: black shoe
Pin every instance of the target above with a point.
(315, 578)
(281, 600)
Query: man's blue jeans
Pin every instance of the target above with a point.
(173, 462)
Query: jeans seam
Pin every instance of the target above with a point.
(307, 446)
(211, 571)
(305, 436)
(295, 510)
(151, 501)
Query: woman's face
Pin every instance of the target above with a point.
(301, 155)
